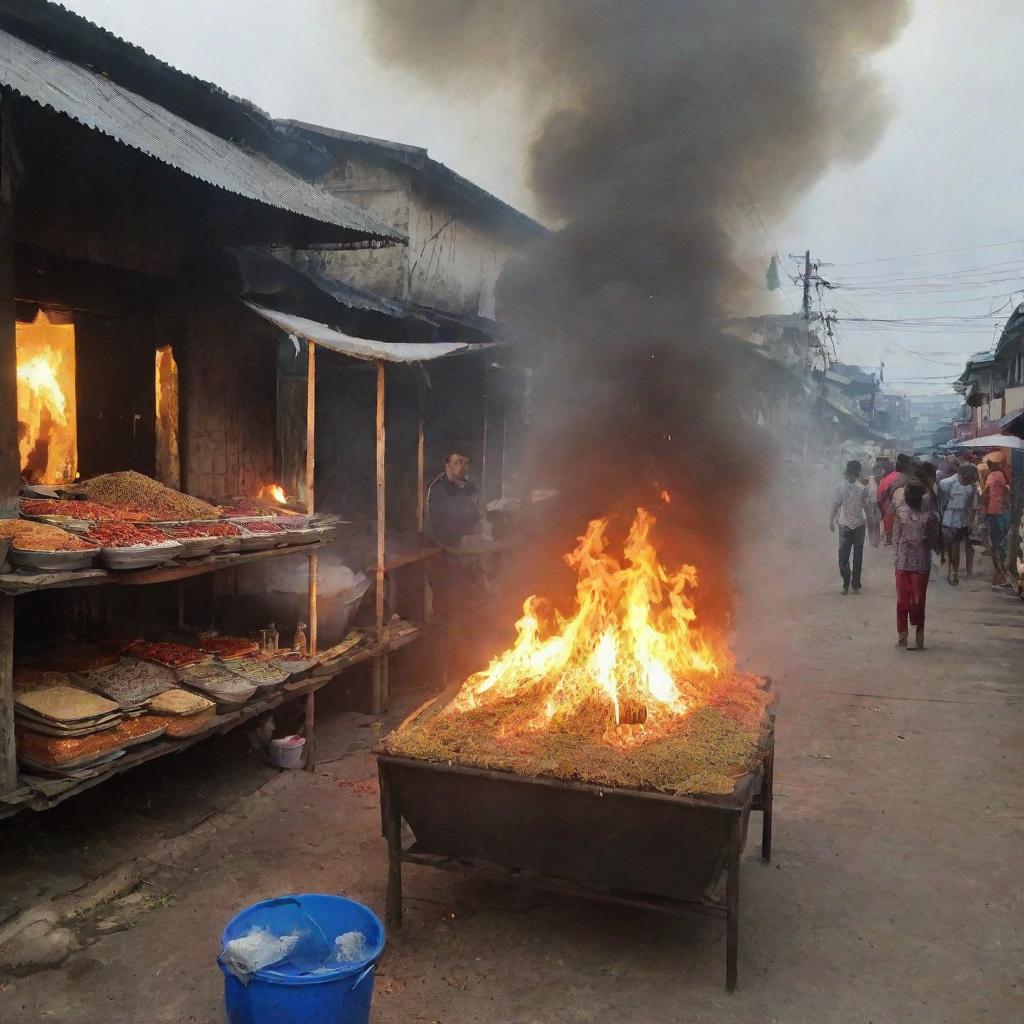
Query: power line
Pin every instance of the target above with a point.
(934, 252)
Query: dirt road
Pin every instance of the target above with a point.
(894, 896)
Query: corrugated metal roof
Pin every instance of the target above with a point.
(362, 348)
(135, 121)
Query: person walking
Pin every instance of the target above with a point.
(995, 498)
(873, 513)
(958, 497)
(916, 535)
(849, 506)
(893, 480)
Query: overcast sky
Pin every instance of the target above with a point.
(948, 174)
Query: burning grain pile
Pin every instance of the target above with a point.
(628, 690)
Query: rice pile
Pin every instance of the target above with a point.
(134, 491)
(712, 747)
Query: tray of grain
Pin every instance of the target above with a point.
(54, 561)
(42, 548)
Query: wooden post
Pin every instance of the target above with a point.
(8, 757)
(483, 446)
(380, 662)
(310, 423)
(10, 461)
(311, 611)
(421, 498)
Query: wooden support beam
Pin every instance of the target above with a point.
(8, 757)
(310, 424)
(313, 560)
(421, 496)
(10, 462)
(380, 663)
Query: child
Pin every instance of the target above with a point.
(916, 535)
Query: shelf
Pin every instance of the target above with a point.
(16, 583)
(26, 796)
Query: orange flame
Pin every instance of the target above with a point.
(47, 413)
(630, 645)
(274, 492)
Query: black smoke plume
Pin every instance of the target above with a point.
(656, 122)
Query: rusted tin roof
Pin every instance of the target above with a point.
(103, 105)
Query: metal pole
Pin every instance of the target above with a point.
(392, 822)
(732, 903)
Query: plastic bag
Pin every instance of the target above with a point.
(256, 949)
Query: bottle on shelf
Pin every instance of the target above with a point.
(273, 639)
(299, 643)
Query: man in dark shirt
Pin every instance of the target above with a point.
(453, 505)
(453, 514)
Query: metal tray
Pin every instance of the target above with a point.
(259, 541)
(141, 556)
(199, 547)
(53, 561)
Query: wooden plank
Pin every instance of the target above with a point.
(18, 583)
(8, 756)
(10, 460)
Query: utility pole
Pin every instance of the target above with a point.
(807, 293)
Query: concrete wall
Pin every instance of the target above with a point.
(452, 261)
(386, 194)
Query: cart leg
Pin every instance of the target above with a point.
(767, 789)
(393, 834)
(732, 903)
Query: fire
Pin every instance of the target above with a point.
(629, 651)
(47, 414)
(275, 492)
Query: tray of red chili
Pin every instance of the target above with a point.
(258, 536)
(228, 648)
(171, 655)
(131, 546)
(201, 539)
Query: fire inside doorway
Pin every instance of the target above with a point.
(47, 413)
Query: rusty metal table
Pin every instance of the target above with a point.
(624, 846)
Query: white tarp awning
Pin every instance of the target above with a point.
(361, 348)
(993, 441)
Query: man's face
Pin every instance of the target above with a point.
(457, 467)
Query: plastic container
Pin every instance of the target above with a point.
(287, 752)
(282, 994)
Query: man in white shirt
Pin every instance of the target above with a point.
(958, 499)
(850, 507)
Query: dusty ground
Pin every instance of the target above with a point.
(894, 896)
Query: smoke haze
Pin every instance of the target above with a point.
(654, 123)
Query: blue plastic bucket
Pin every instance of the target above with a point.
(282, 994)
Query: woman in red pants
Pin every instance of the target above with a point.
(916, 535)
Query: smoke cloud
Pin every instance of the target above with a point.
(656, 121)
